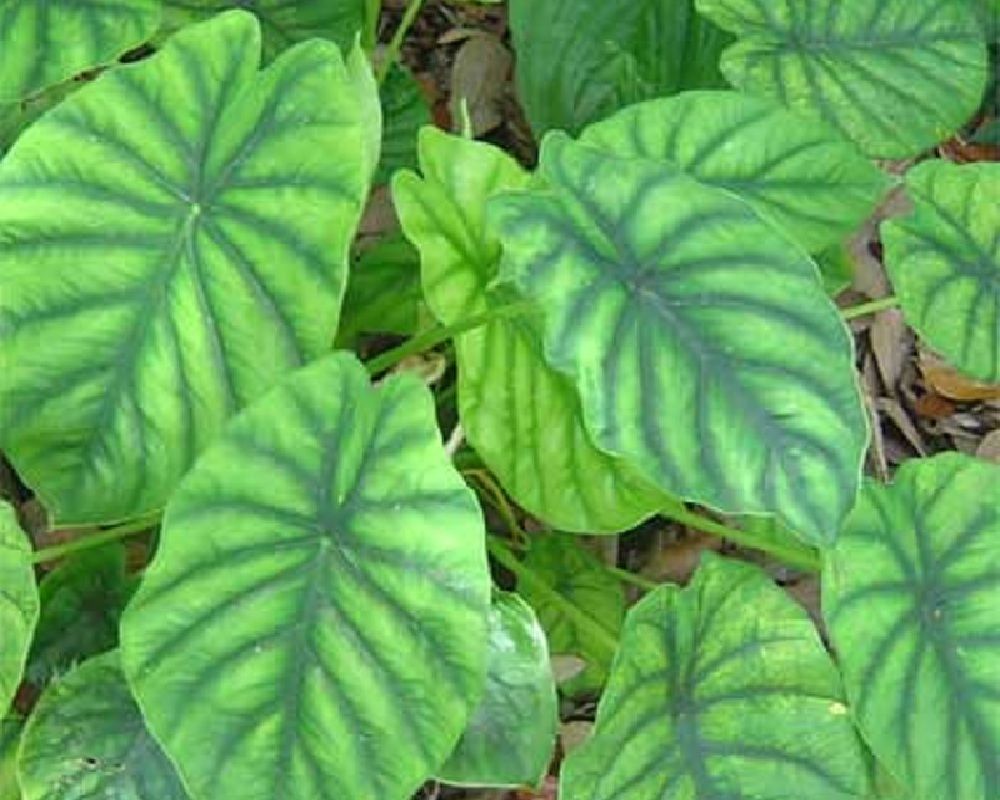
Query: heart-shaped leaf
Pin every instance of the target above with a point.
(700, 339)
(896, 76)
(911, 594)
(511, 735)
(944, 261)
(800, 174)
(18, 603)
(522, 417)
(43, 43)
(313, 625)
(706, 700)
(10, 738)
(172, 245)
(86, 738)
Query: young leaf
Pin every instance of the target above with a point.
(172, 246)
(18, 603)
(720, 690)
(944, 261)
(699, 337)
(912, 596)
(314, 623)
(578, 61)
(44, 43)
(86, 738)
(800, 174)
(522, 417)
(511, 735)
(896, 76)
(10, 737)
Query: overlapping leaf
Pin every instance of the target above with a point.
(521, 416)
(10, 737)
(944, 261)
(912, 596)
(86, 739)
(172, 245)
(18, 603)
(896, 76)
(707, 700)
(702, 344)
(314, 623)
(800, 174)
(405, 111)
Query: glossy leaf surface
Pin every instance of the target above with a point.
(895, 76)
(174, 216)
(314, 624)
(706, 700)
(944, 262)
(911, 594)
(18, 603)
(700, 338)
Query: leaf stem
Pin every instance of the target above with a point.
(391, 55)
(630, 577)
(122, 531)
(373, 10)
(872, 307)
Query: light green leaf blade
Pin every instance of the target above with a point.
(700, 339)
(405, 111)
(944, 262)
(578, 61)
(86, 739)
(314, 623)
(801, 175)
(722, 689)
(911, 594)
(172, 246)
(512, 733)
(10, 738)
(522, 417)
(43, 43)
(895, 76)
(18, 603)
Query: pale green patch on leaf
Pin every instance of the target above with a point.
(18, 603)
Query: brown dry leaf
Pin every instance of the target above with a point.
(429, 367)
(888, 338)
(573, 734)
(806, 593)
(379, 216)
(676, 561)
(934, 406)
(949, 382)
(895, 412)
(989, 447)
(549, 791)
(479, 77)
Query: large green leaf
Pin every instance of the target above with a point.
(43, 43)
(912, 597)
(720, 690)
(944, 261)
(405, 111)
(10, 737)
(18, 603)
(175, 238)
(512, 733)
(314, 623)
(699, 337)
(86, 739)
(578, 61)
(522, 417)
(896, 76)
(800, 174)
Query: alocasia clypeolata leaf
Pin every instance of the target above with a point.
(86, 739)
(799, 173)
(172, 244)
(10, 737)
(522, 417)
(911, 594)
(944, 262)
(18, 603)
(896, 76)
(314, 623)
(720, 690)
(405, 111)
(699, 337)
(511, 735)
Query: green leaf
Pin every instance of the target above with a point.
(172, 246)
(18, 603)
(700, 339)
(81, 600)
(405, 111)
(314, 623)
(944, 262)
(799, 174)
(10, 737)
(512, 733)
(836, 267)
(720, 690)
(911, 594)
(522, 417)
(896, 76)
(43, 43)
(578, 61)
(86, 738)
